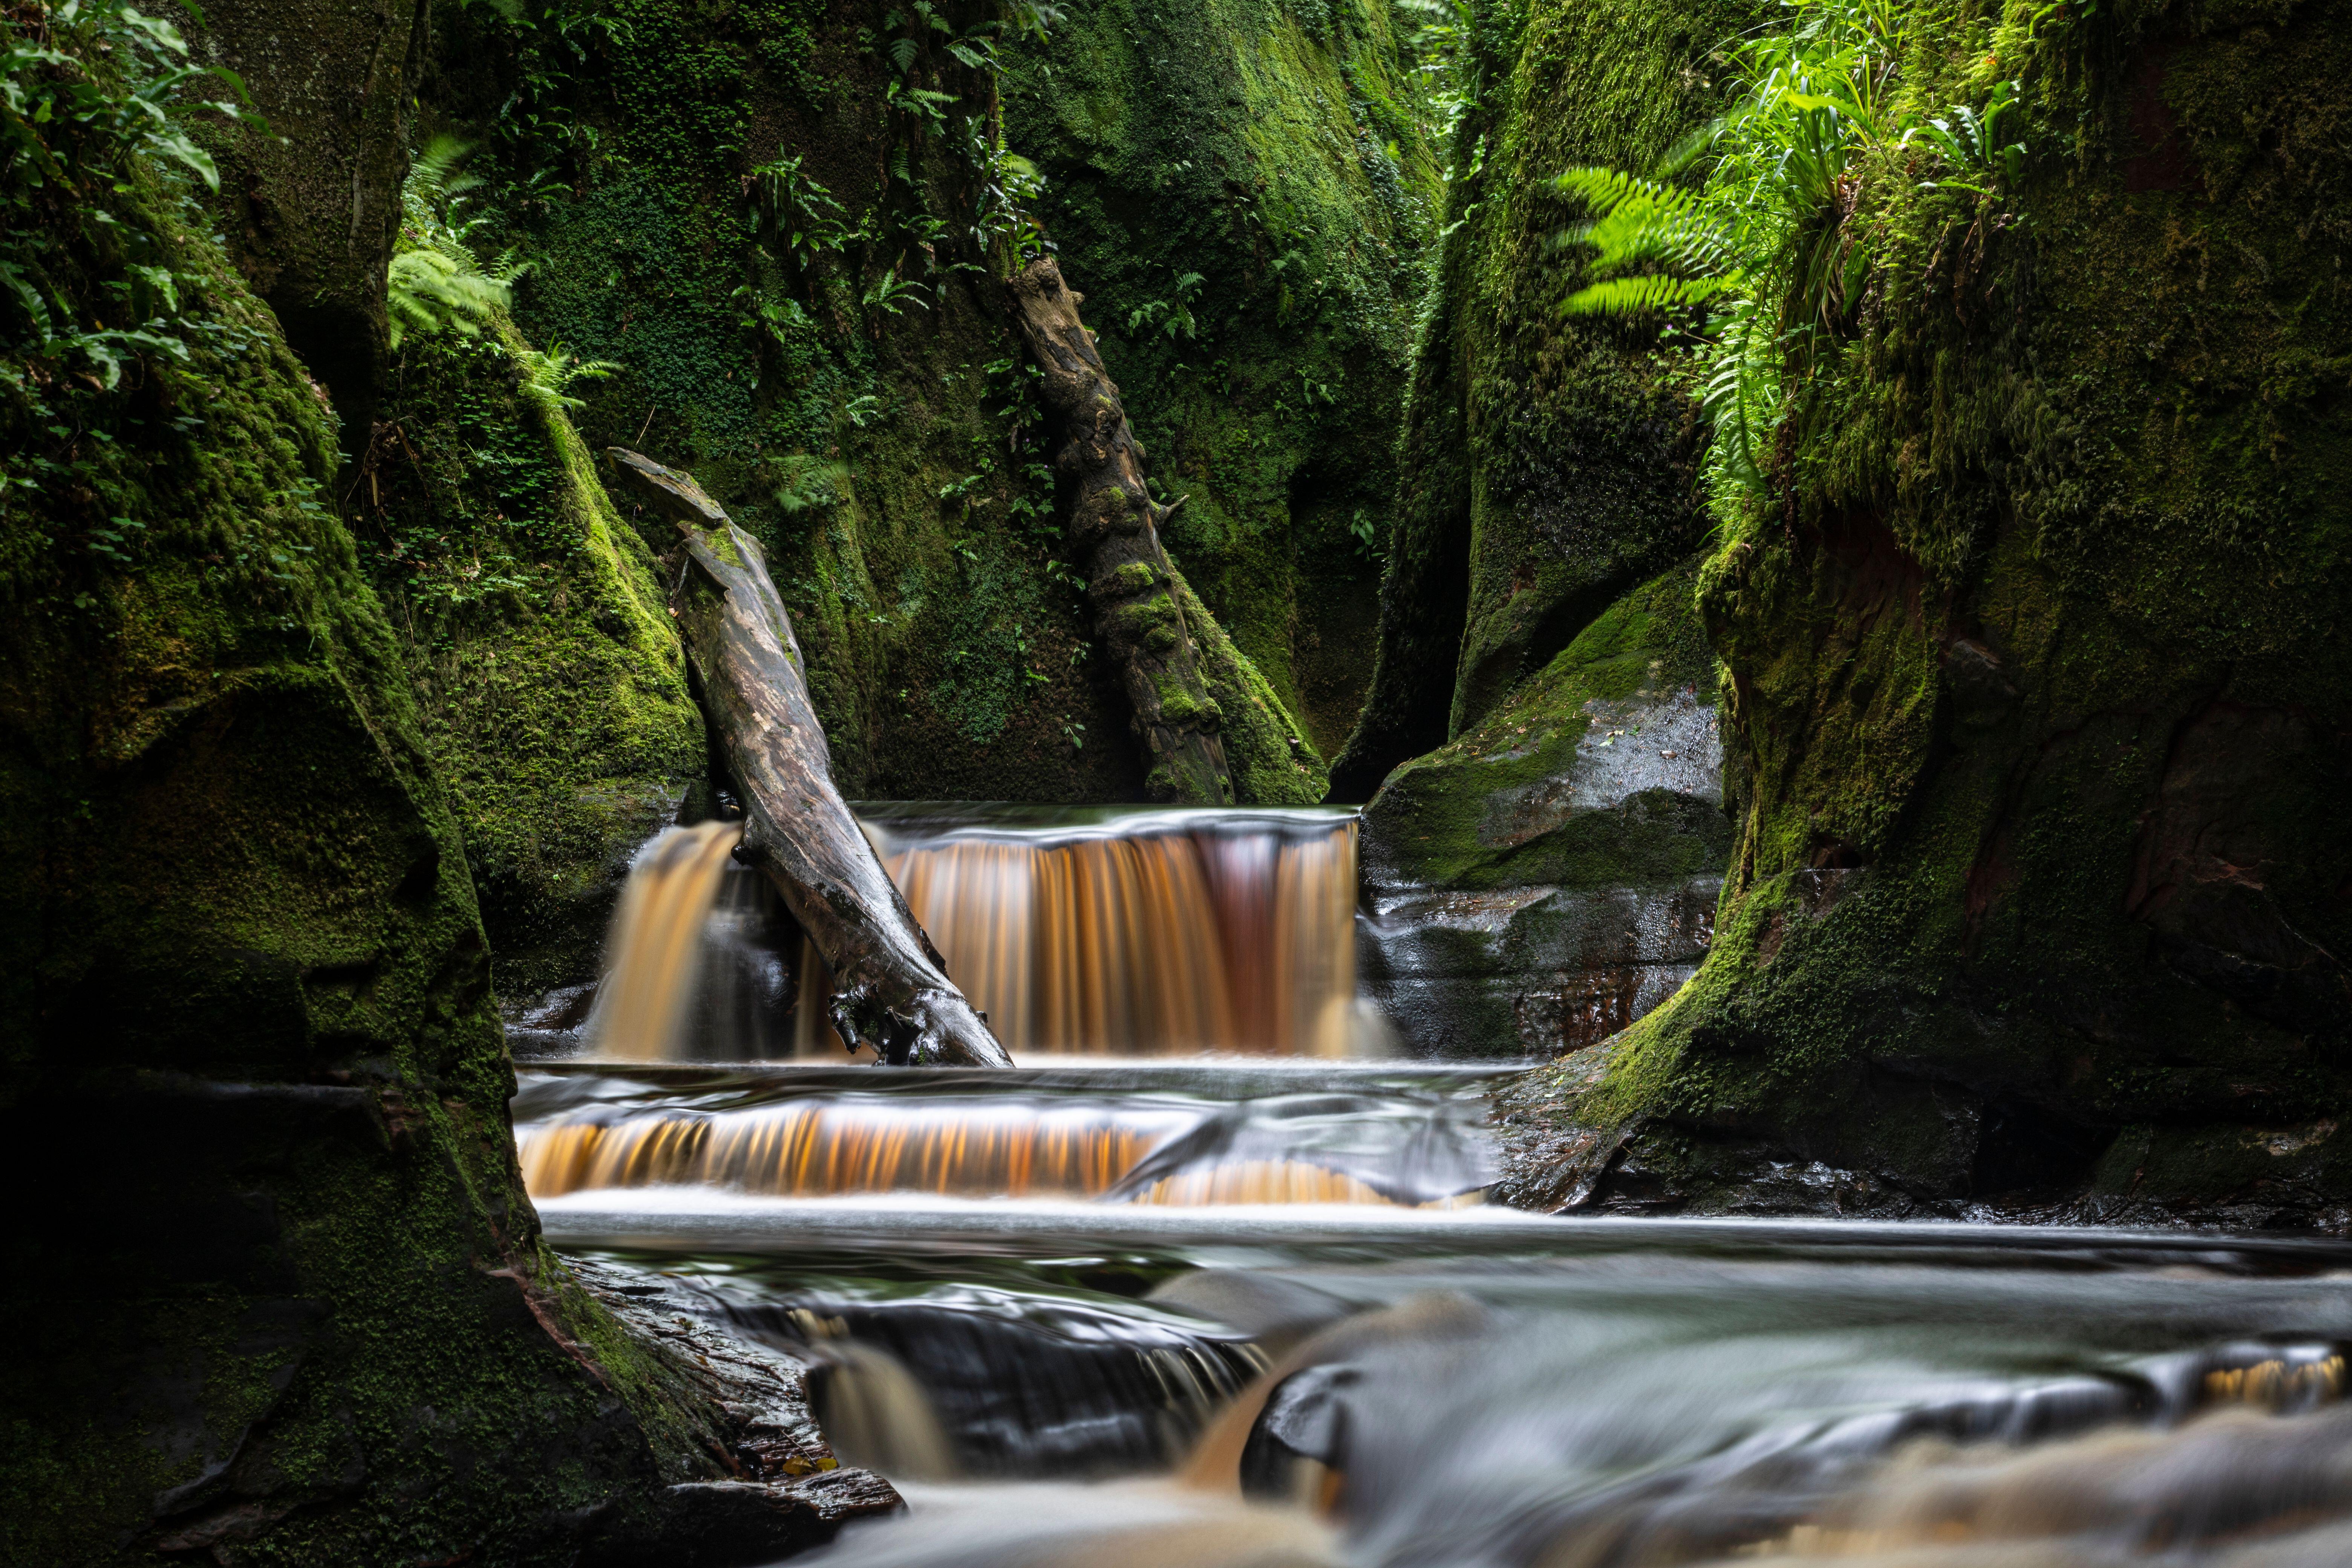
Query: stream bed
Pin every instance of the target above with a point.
(1155, 1354)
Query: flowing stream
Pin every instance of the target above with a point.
(1208, 1283)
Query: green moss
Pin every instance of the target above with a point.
(2051, 617)
(242, 936)
(1489, 809)
(1266, 153)
(1266, 753)
(551, 682)
(1135, 577)
(1549, 464)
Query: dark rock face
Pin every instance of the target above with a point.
(2043, 889)
(1551, 876)
(555, 710)
(310, 210)
(277, 1292)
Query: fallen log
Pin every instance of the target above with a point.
(1113, 524)
(890, 987)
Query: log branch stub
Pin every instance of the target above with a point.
(891, 990)
(1112, 522)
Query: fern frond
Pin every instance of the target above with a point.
(427, 291)
(1649, 291)
(1606, 189)
(547, 377)
(1686, 150)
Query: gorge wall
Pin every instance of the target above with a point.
(298, 1309)
(1546, 465)
(2033, 696)
(782, 243)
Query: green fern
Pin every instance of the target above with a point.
(1760, 258)
(810, 482)
(547, 377)
(428, 292)
(435, 283)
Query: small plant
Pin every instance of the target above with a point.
(1969, 144)
(862, 411)
(782, 319)
(435, 283)
(1009, 185)
(1166, 318)
(929, 107)
(893, 294)
(1035, 18)
(799, 213)
(547, 377)
(809, 482)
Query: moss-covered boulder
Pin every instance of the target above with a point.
(1551, 874)
(2043, 893)
(1547, 464)
(1247, 194)
(280, 1296)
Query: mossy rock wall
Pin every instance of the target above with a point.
(1550, 875)
(1267, 152)
(1547, 464)
(2045, 883)
(282, 1295)
(862, 409)
(311, 205)
(550, 677)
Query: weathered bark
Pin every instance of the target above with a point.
(890, 986)
(1112, 522)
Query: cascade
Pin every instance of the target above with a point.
(1101, 932)
(659, 936)
(1145, 932)
(1201, 1281)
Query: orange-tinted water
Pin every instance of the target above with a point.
(656, 960)
(1157, 941)
(1158, 934)
(824, 1148)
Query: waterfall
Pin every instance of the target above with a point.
(1414, 1147)
(1154, 934)
(1138, 933)
(658, 937)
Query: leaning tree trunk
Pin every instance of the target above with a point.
(1111, 521)
(890, 988)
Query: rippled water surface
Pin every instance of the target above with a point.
(1099, 1371)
